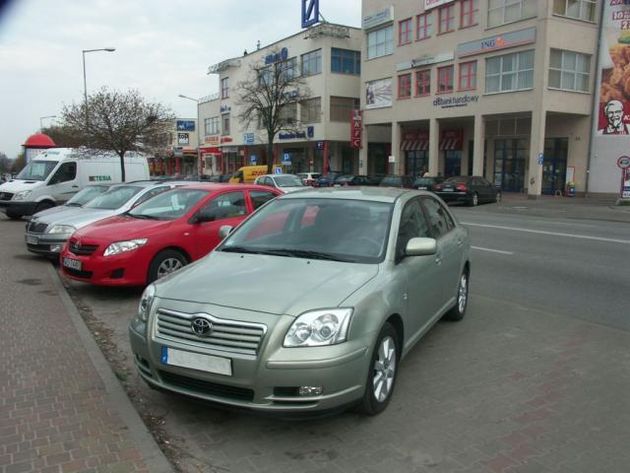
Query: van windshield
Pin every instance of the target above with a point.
(113, 198)
(37, 170)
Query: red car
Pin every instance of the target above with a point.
(160, 235)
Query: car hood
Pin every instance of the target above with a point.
(264, 283)
(120, 227)
(18, 185)
(56, 211)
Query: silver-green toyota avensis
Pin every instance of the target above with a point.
(309, 304)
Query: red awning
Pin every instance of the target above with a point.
(451, 144)
(414, 145)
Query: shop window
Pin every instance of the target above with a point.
(312, 63)
(424, 26)
(380, 42)
(446, 16)
(577, 9)
(341, 108)
(469, 12)
(501, 12)
(569, 70)
(445, 79)
(225, 88)
(510, 72)
(345, 61)
(468, 76)
(311, 110)
(404, 32)
(423, 83)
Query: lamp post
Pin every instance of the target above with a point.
(109, 50)
(181, 96)
(41, 124)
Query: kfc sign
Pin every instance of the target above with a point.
(428, 4)
(356, 127)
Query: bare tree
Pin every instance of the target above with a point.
(65, 137)
(270, 96)
(5, 163)
(118, 121)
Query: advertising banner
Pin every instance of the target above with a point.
(355, 129)
(614, 95)
(378, 93)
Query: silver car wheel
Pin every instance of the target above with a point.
(462, 294)
(384, 369)
(168, 266)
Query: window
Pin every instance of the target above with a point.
(469, 10)
(226, 124)
(212, 126)
(510, 72)
(404, 86)
(231, 204)
(569, 70)
(447, 18)
(578, 9)
(468, 75)
(312, 63)
(153, 192)
(311, 110)
(445, 79)
(380, 42)
(288, 113)
(345, 61)
(265, 76)
(440, 222)
(508, 11)
(289, 69)
(66, 172)
(404, 31)
(423, 82)
(423, 26)
(341, 108)
(225, 88)
(260, 197)
(413, 224)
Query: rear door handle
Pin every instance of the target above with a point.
(460, 242)
(438, 259)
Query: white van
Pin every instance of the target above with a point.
(54, 176)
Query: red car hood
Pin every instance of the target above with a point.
(121, 227)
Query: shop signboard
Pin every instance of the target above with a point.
(356, 126)
(454, 102)
(378, 18)
(212, 140)
(428, 4)
(183, 139)
(248, 138)
(378, 93)
(497, 42)
(310, 13)
(185, 125)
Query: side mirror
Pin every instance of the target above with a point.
(421, 247)
(225, 230)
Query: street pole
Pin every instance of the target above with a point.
(85, 97)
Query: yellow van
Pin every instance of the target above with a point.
(248, 174)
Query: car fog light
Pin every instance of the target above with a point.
(310, 390)
(55, 248)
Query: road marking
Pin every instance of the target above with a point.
(492, 251)
(543, 232)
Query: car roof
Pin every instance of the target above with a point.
(216, 186)
(371, 193)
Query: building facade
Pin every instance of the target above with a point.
(499, 88)
(176, 154)
(327, 56)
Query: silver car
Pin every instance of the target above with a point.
(309, 304)
(46, 234)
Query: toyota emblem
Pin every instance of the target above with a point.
(201, 327)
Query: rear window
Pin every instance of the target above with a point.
(458, 179)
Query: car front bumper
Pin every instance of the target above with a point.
(45, 244)
(124, 269)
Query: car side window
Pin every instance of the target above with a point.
(66, 172)
(412, 224)
(228, 205)
(440, 222)
(151, 193)
(260, 197)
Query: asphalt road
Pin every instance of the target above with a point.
(533, 380)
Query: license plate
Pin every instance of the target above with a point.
(447, 190)
(72, 263)
(422, 188)
(196, 361)
(32, 240)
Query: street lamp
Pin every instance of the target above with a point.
(41, 124)
(181, 96)
(109, 50)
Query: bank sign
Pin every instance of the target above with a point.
(494, 43)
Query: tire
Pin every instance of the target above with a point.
(43, 205)
(165, 262)
(13, 215)
(382, 372)
(458, 311)
(474, 200)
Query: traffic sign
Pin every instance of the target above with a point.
(277, 170)
(286, 159)
(252, 159)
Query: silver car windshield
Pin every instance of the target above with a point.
(85, 195)
(288, 181)
(37, 170)
(168, 205)
(329, 229)
(113, 198)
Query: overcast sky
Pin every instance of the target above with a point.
(163, 48)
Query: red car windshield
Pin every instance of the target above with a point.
(169, 205)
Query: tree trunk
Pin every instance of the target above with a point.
(270, 157)
(122, 167)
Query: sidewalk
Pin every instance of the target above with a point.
(61, 407)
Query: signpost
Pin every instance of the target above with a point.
(624, 164)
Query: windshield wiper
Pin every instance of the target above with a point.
(242, 249)
(310, 254)
(73, 204)
(141, 216)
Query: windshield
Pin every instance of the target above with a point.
(85, 195)
(353, 231)
(169, 205)
(37, 170)
(457, 179)
(288, 181)
(113, 198)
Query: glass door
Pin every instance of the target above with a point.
(555, 165)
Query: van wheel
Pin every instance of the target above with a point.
(44, 205)
(13, 215)
(166, 262)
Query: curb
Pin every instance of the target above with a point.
(152, 455)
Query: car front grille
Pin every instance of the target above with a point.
(77, 273)
(226, 335)
(206, 387)
(81, 249)
(6, 195)
(36, 227)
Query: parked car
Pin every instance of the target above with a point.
(405, 182)
(354, 180)
(46, 235)
(308, 178)
(283, 182)
(427, 183)
(78, 200)
(310, 304)
(159, 236)
(471, 190)
(248, 174)
(328, 179)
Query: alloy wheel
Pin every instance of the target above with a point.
(462, 293)
(168, 266)
(384, 369)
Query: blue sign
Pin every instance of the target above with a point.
(283, 55)
(310, 131)
(541, 159)
(291, 135)
(185, 125)
(277, 170)
(310, 13)
(286, 159)
(248, 138)
(252, 159)
(320, 145)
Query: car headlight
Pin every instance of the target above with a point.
(144, 307)
(62, 229)
(319, 328)
(22, 195)
(123, 246)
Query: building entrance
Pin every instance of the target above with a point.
(510, 157)
(416, 162)
(555, 165)
(452, 163)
